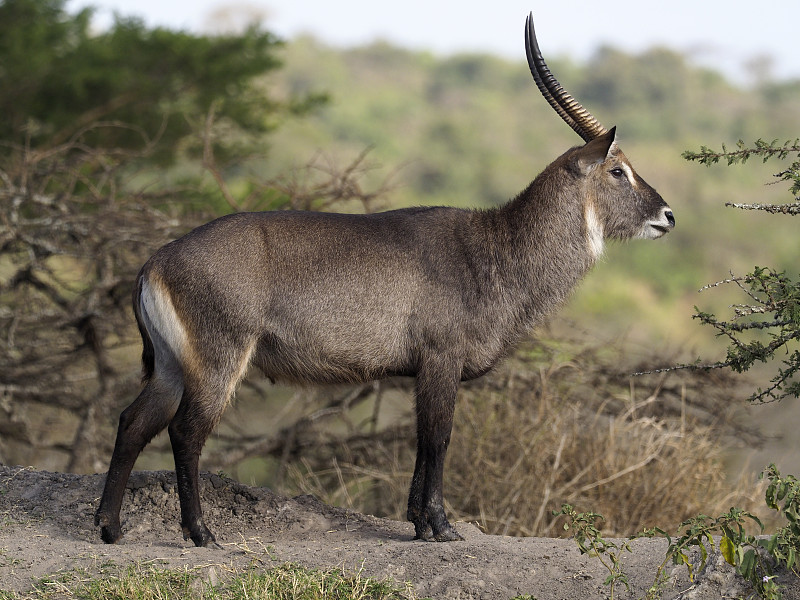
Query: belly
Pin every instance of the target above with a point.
(332, 354)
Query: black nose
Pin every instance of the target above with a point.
(670, 218)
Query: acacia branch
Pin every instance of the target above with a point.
(775, 209)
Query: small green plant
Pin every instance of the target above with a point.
(783, 496)
(590, 542)
(697, 533)
(755, 558)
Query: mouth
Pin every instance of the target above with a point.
(655, 230)
(659, 227)
(660, 230)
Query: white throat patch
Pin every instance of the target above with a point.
(594, 231)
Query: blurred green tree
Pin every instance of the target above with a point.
(59, 80)
(94, 127)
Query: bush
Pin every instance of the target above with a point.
(557, 424)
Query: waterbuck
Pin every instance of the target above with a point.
(435, 293)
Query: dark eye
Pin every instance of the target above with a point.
(617, 172)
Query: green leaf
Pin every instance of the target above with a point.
(748, 565)
(791, 512)
(703, 554)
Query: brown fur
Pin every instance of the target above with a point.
(436, 293)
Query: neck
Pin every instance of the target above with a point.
(550, 245)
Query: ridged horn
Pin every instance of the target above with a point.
(569, 109)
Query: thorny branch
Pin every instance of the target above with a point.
(792, 208)
(773, 324)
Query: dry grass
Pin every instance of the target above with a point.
(555, 424)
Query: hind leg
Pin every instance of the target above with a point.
(188, 432)
(139, 423)
(205, 397)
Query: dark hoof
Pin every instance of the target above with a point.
(110, 533)
(201, 537)
(448, 534)
(445, 534)
(424, 532)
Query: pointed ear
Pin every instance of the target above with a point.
(595, 151)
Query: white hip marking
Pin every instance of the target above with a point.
(159, 313)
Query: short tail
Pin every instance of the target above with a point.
(148, 352)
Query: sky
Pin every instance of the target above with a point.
(725, 35)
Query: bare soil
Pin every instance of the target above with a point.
(46, 526)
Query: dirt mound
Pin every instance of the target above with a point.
(46, 526)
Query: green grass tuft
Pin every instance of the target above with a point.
(146, 582)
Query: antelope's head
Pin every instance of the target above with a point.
(617, 202)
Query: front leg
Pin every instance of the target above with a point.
(437, 385)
